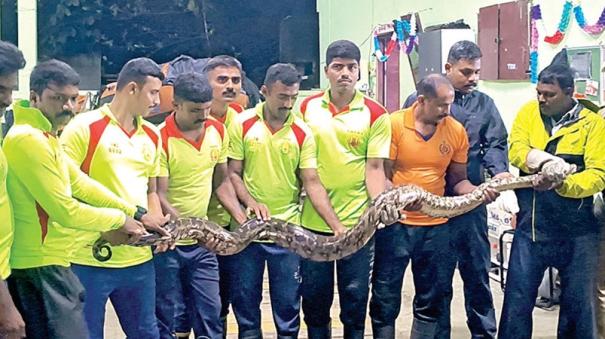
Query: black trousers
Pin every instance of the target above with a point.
(51, 301)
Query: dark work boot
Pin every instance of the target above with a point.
(251, 334)
(324, 332)
(352, 333)
(384, 332)
(423, 329)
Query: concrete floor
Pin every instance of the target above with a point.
(545, 322)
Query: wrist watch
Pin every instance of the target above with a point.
(138, 215)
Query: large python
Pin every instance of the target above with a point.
(327, 248)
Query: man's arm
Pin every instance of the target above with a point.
(32, 162)
(388, 171)
(162, 191)
(375, 178)
(592, 179)
(457, 178)
(153, 201)
(320, 200)
(11, 322)
(495, 159)
(93, 193)
(225, 192)
(235, 175)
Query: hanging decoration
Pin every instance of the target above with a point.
(563, 25)
(401, 29)
(535, 16)
(412, 32)
(594, 29)
(382, 57)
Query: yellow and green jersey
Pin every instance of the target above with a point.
(216, 211)
(6, 223)
(121, 161)
(49, 195)
(345, 140)
(272, 159)
(189, 166)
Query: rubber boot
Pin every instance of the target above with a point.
(352, 333)
(324, 332)
(423, 329)
(384, 332)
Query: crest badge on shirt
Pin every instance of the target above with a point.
(444, 148)
(114, 148)
(285, 147)
(214, 154)
(146, 154)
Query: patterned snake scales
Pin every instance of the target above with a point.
(327, 248)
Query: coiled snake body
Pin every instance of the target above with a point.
(321, 247)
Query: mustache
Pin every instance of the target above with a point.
(66, 113)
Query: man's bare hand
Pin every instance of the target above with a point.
(164, 246)
(261, 211)
(490, 195)
(155, 222)
(12, 325)
(339, 230)
(542, 183)
(389, 216)
(503, 175)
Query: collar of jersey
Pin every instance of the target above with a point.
(356, 104)
(26, 115)
(106, 111)
(408, 117)
(259, 113)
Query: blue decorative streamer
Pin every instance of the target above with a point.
(533, 66)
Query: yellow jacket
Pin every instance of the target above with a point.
(567, 211)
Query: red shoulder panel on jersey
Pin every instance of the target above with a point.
(237, 107)
(376, 109)
(248, 124)
(96, 131)
(303, 105)
(299, 133)
(219, 127)
(151, 134)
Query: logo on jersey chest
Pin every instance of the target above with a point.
(444, 148)
(354, 139)
(285, 147)
(253, 143)
(114, 148)
(214, 154)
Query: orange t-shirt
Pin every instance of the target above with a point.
(423, 162)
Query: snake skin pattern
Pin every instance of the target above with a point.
(327, 248)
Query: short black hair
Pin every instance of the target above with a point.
(557, 74)
(428, 85)
(287, 74)
(342, 49)
(192, 87)
(11, 58)
(52, 71)
(138, 70)
(222, 61)
(463, 49)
